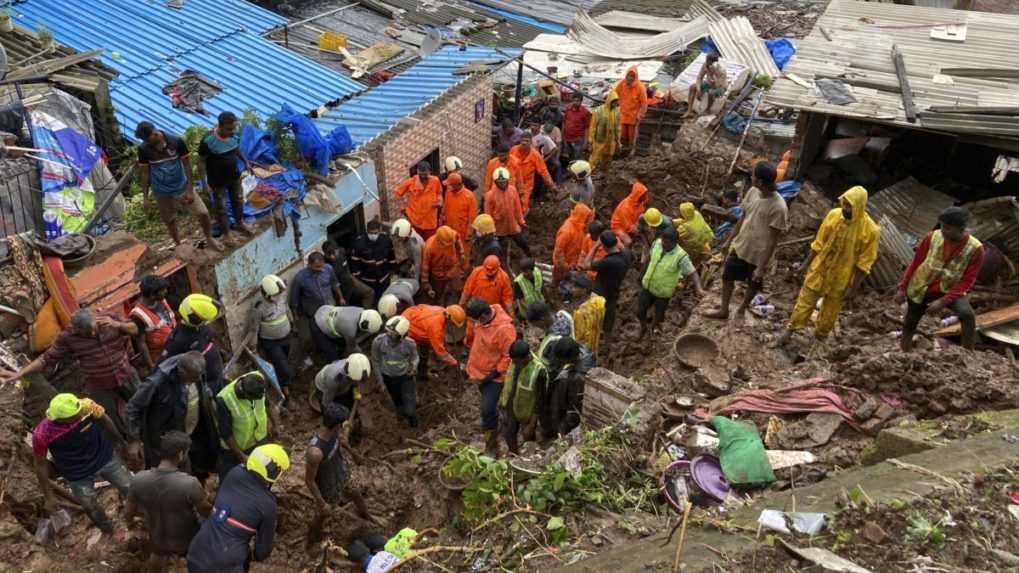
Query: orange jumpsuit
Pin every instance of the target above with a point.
(530, 162)
(632, 103)
(422, 205)
(489, 283)
(459, 208)
(490, 344)
(506, 210)
(569, 240)
(442, 261)
(629, 210)
(428, 326)
(494, 163)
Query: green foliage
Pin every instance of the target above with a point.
(488, 480)
(283, 138)
(920, 530)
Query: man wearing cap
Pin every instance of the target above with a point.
(100, 343)
(351, 324)
(408, 246)
(579, 187)
(243, 419)
(459, 208)
(171, 398)
(395, 359)
(81, 439)
(398, 297)
(339, 381)
(489, 339)
(576, 121)
(245, 509)
(667, 264)
(486, 242)
(944, 267)
(428, 327)
(489, 283)
(454, 165)
(421, 197)
(502, 202)
(314, 287)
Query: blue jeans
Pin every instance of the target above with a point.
(84, 491)
(490, 392)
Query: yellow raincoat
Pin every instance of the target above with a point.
(603, 133)
(840, 248)
(694, 233)
(588, 320)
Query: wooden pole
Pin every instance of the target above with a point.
(682, 538)
(746, 130)
(907, 92)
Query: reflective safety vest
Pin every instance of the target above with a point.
(664, 270)
(531, 289)
(935, 268)
(248, 417)
(157, 330)
(519, 394)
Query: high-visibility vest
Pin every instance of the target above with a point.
(935, 268)
(157, 330)
(663, 271)
(247, 417)
(530, 288)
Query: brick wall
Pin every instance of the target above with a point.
(447, 124)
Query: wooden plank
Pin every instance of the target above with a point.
(982, 72)
(986, 320)
(907, 93)
(55, 65)
(982, 110)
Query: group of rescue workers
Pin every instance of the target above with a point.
(362, 310)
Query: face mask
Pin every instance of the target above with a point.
(373, 236)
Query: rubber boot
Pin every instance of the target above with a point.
(492, 444)
(512, 444)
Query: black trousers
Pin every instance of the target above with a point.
(326, 346)
(644, 303)
(960, 307)
(277, 352)
(403, 391)
(519, 240)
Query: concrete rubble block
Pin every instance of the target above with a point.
(608, 396)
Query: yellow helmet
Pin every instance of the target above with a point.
(501, 174)
(268, 461)
(63, 406)
(653, 217)
(453, 163)
(399, 325)
(198, 309)
(484, 224)
(388, 305)
(401, 228)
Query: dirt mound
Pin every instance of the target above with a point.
(932, 383)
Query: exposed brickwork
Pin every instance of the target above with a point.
(448, 124)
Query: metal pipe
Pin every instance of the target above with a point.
(519, 94)
(324, 14)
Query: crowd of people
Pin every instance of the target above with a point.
(442, 280)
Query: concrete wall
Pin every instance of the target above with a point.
(450, 124)
(239, 273)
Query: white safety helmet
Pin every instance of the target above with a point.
(453, 163)
(580, 168)
(501, 174)
(358, 367)
(388, 305)
(370, 321)
(272, 285)
(399, 325)
(401, 228)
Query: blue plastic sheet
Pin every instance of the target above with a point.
(708, 47)
(310, 143)
(340, 142)
(257, 146)
(789, 190)
(781, 50)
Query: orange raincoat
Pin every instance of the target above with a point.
(428, 326)
(569, 240)
(506, 210)
(443, 255)
(629, 210)
(489, 283)
(632, 99)
(490, 344)
(529, 163)
(422, 205)
(494, 163)
(459, 208)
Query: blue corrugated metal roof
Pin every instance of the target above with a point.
(549, 26)
(376, 111)
(149, 43)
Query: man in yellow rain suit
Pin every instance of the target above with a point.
(694, 234)
(588, 320)
(603, 134)
(840, 257)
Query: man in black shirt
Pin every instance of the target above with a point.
(217, 168)
(610, 272)
(354, 289)
(165, 166)
(373, 258)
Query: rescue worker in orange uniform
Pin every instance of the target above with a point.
(632, 105)
(502, 202)
(569, 241)
(442, 263)
(490, 336)
(428, 326)
(489, 283)
(421, 195)
(529, 164)
(628, 212)
(459, 208)
(506, 161)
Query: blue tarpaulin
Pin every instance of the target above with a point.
(781, 50)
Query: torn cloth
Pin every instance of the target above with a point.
(802, 396)
(835, 92)
(190, 90)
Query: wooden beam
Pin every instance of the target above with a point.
(907, 92)
(55, 65)
(982, 72)
(988, 110)
(863, 83)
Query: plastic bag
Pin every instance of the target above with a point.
(781, 50)
(741, 452)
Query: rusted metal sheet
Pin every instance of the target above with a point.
(990, 319)
(114, 281)
(601, 41)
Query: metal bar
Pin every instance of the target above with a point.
(863, 83)
(907, 92)
(323, 14)
(982, 72)
(123, 183)
(972, 109)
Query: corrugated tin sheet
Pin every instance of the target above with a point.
(621, 19)
(736, 39)
(599, 40)
(996, 221)
(554, 11)
(376, 111)
(149, 43)
(438, 13)
(862, 36)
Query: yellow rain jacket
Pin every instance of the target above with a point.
(842, 246)
(588, 320)
(695, 234)
(603, 133)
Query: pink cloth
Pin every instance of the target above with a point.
(46, 432)
(801, 396)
